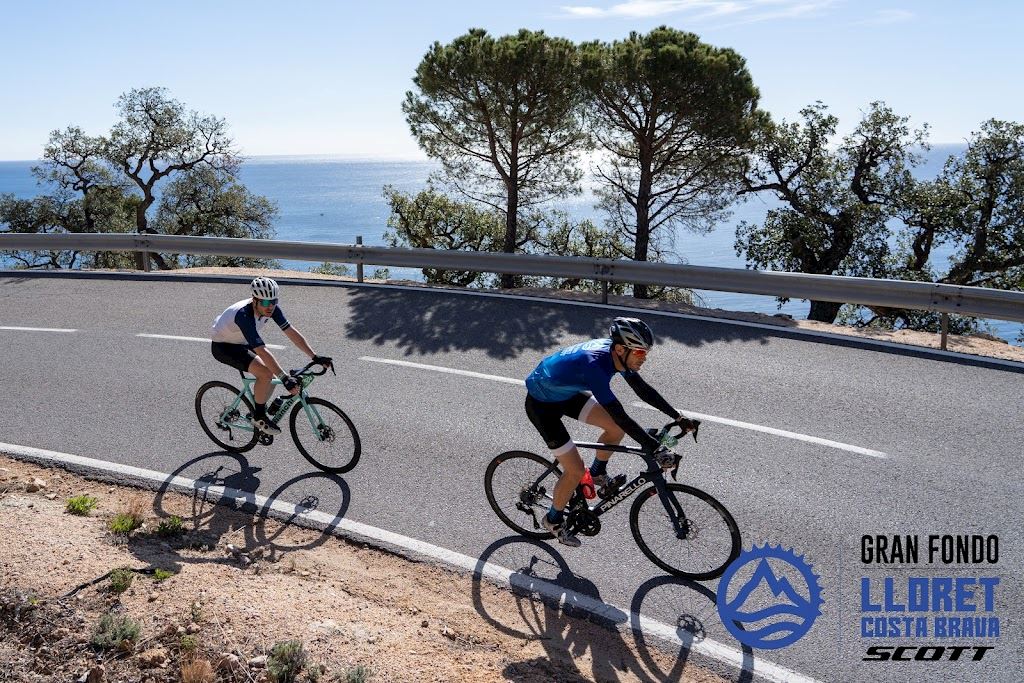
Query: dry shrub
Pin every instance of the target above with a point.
(197, 671)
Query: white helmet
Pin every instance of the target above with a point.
(632, 333)
(264, 288)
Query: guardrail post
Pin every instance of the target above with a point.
(604, 291)
(945, 330)
(359, 266)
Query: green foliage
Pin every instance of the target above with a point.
(171, 527)
(161, 574)
(113, 632)
(504, 118)
(836, 199)
(121, 580)
(433, 220)
(81, 505)
(109, 184)
(286, 661)
(355, 674)
(674, 117)
(124, 523)
(326, 268)
(381, 273)
(188, 644)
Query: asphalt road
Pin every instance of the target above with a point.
(951, 432)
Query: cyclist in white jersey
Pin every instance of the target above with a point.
(236, 342)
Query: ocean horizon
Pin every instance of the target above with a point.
(337, 198)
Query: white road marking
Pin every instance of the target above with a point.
(195, 339)
(777, 432)
(718, 651)
(440, 368)
(700, 416)
(36, 329)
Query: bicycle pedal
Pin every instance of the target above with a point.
(612, 487)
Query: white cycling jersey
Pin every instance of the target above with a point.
(239, 324)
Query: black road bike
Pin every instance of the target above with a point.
(683, 530)
(324, 434)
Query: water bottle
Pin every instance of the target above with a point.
(669, 441)
(275, 406)
(589, 492)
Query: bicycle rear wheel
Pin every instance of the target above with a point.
(327, 438)
(703, 545)
(519, 486)
(230, 428)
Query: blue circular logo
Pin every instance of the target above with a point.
(766, 611)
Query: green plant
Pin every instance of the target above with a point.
(121, 579)
(81, 505)
(171, 527)
(381, 274)
(188, 644)
(286, 661)
(197, 612)
(114, 632)
(162, 575)
(327, 268)
(355, 674)
(123, 524)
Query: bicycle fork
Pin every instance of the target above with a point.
(680, 524)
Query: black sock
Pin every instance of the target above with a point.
(598, 467)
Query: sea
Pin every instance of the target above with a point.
(335, 200)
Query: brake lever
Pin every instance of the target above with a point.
(675, 469)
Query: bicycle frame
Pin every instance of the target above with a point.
(304, 381)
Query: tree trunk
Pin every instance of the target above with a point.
(512, 209)
(824, 311)
(643, 226)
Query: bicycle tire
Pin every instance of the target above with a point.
(698, 516)
(250, 437)
(351, 453)
(511, 495)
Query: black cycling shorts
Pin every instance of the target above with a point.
(547, 417)
(238, 356)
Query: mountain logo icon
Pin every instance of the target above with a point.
(767, 611)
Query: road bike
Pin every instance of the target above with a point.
(683, 530)
(324, 434)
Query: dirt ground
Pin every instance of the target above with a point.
(361, 614)
(979, 345)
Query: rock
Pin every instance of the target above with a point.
(35, 485)
(97, 674)
(51, 496)
(193, 628)
(180, 631)
(150, 659)
(227, 662)
(154, 596)
(258, 662)
(424, 624)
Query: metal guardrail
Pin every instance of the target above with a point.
(972, 301)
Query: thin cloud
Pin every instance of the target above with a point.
(743, 10)
(887, 16)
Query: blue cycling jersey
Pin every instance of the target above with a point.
(587, 366)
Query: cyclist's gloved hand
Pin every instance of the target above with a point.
(687, 424)
(289, 383)
(325, 361)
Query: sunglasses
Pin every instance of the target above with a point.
(639, 353)
(267, 302)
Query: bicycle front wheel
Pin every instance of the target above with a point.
(325, 436)
(225, 416)
(701, 546)
(519, 486)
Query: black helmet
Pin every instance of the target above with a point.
(632, 333)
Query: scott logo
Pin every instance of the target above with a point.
(925, 653)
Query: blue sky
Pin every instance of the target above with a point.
(315, 77)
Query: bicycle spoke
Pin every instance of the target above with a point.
(703, 542)
(519, 486)
(225, 416)
(325, 436)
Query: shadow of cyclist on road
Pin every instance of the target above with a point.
(555, 614)
(215, 498)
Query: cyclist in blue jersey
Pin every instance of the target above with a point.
(575, 382)
(236, 342)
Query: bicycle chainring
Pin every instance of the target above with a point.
(584, 522)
